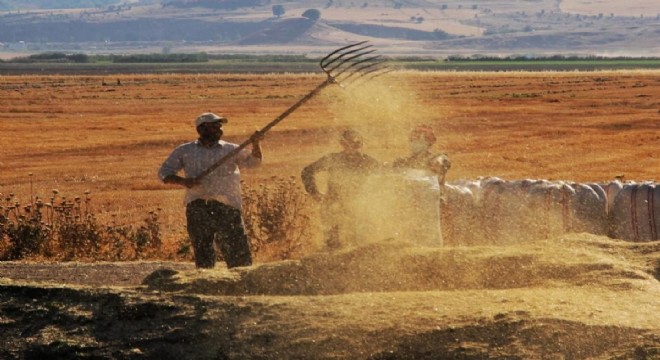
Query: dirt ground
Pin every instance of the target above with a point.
(575, 297)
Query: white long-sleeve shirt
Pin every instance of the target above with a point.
(223, 184)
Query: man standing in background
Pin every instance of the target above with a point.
(347, 171)
(424, 174)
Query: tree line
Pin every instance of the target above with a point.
(543, 58)
(60, 57)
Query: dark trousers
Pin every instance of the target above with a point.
(210, 222)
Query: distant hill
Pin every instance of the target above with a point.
(214, 4)
(55, 4)
(417, 27)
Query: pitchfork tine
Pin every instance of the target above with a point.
(370, 62)
(346, 54)
(366, 77)
(323, 64)
(349, 59)
(384, 69)
(374, 70)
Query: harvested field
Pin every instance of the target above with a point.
(574, 296)
(74, 134)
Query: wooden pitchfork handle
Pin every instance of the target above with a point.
(265, 129)
(341, 64)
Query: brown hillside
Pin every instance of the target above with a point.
(410, 27)
(281, 32)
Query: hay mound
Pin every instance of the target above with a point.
(389, 266)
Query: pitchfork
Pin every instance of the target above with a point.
(341, 66)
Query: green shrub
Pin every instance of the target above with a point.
(53, 57)
(312, 14)
(161, 58)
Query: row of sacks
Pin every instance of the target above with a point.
(496, 211)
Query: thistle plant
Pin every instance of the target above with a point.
(58, 227)
(147, 235)
(276, 214)
(67, 229)
(23, 226)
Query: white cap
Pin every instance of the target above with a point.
(209, 118)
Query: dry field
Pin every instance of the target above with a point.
(74, 134)
(577, 296)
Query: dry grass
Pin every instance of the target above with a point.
(75, 135)
(637, 8)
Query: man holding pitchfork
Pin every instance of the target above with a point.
(213, 200)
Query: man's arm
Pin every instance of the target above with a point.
(440, 165)
(251, 158)
(256, 144)
(171, 167)
(176, 179)
(373, 164)
(308, 176)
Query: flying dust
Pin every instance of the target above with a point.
(385, 203)
(384, 109)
